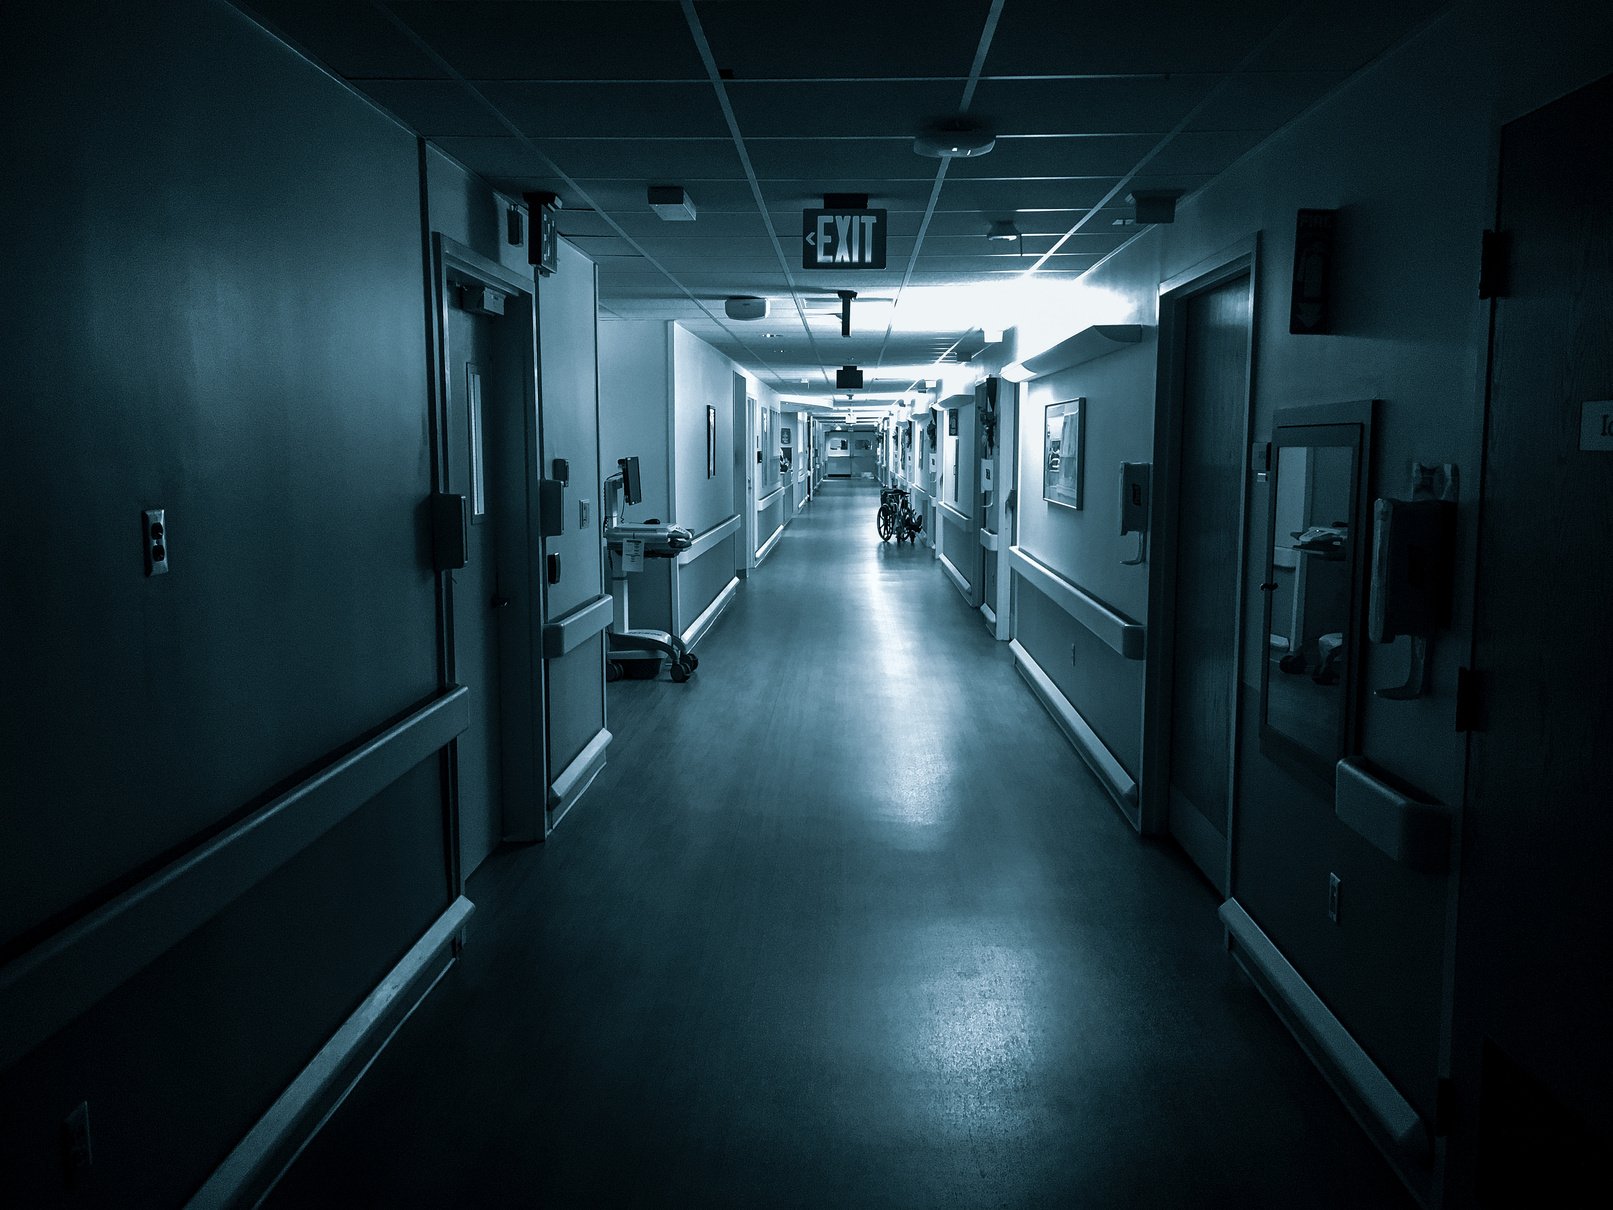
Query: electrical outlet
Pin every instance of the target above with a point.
(1333, 898)
(154, 535)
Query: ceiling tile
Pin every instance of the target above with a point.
(1343, 37)
(353, 40)
(1094, 156)
(886, 159)
(435, 108)
(1054, 37)
(817, 39)
(641, 111)
(1113, 106)
(580, 40)
(842, 109)
(1264, 100)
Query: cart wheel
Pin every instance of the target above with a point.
(692, 660)
(644, 670)
(613, 670)
(679, 672)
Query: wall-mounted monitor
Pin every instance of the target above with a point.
(632, 485)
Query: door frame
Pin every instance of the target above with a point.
(1242, 258)
(523, 742)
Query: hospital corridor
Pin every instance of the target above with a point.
(806, 603)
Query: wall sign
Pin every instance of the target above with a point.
(1596, 425)
(843, 239)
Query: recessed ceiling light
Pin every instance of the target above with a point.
(1003, 230)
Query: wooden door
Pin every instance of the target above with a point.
(1538, 825)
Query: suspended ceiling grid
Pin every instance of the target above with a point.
(596, 100)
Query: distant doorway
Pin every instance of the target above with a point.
(1200, 497)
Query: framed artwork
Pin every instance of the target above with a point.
(784, 436)
(711, 442)
(1062, 450)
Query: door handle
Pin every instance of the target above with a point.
(500, 602)
(554, 569)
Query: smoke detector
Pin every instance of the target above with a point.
(957, 140)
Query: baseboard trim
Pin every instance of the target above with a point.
(273, 1144)
(957, 577)
(709, 615)
(575, 778)
(1206, 847)
(1110, 772)
(1376, 1103)
(766, 548)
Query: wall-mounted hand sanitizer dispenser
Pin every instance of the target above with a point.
(1134, 481)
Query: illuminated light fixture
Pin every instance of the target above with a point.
(993, 336)
(746, 306)
(1004, 229)
(671, 203)
(1073, 350)
(956, 141)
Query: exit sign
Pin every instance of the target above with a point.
(842, 239)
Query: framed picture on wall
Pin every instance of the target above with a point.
(1062, 450)
(784, 435)
(711, 442)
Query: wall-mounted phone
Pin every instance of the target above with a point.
(1413, 553)
(1134, 485)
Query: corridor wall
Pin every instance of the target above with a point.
(1410, 331)
(240, 340)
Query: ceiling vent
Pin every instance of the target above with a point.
(745, 306)
(1154, 205)
(671, 203)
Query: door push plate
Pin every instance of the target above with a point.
(450, 531)
(551, 507)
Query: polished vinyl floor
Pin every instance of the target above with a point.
(844, 922)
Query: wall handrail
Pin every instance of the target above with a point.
(1125, 635)
(770, 497)
(44, 988)
(957, 514)
(707, 538)
(574, 626)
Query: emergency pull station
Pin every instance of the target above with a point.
(1134, 485)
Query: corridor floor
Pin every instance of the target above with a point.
(844, 922)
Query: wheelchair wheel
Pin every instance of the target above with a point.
(885, 522)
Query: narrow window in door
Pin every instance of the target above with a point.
(473, 408)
